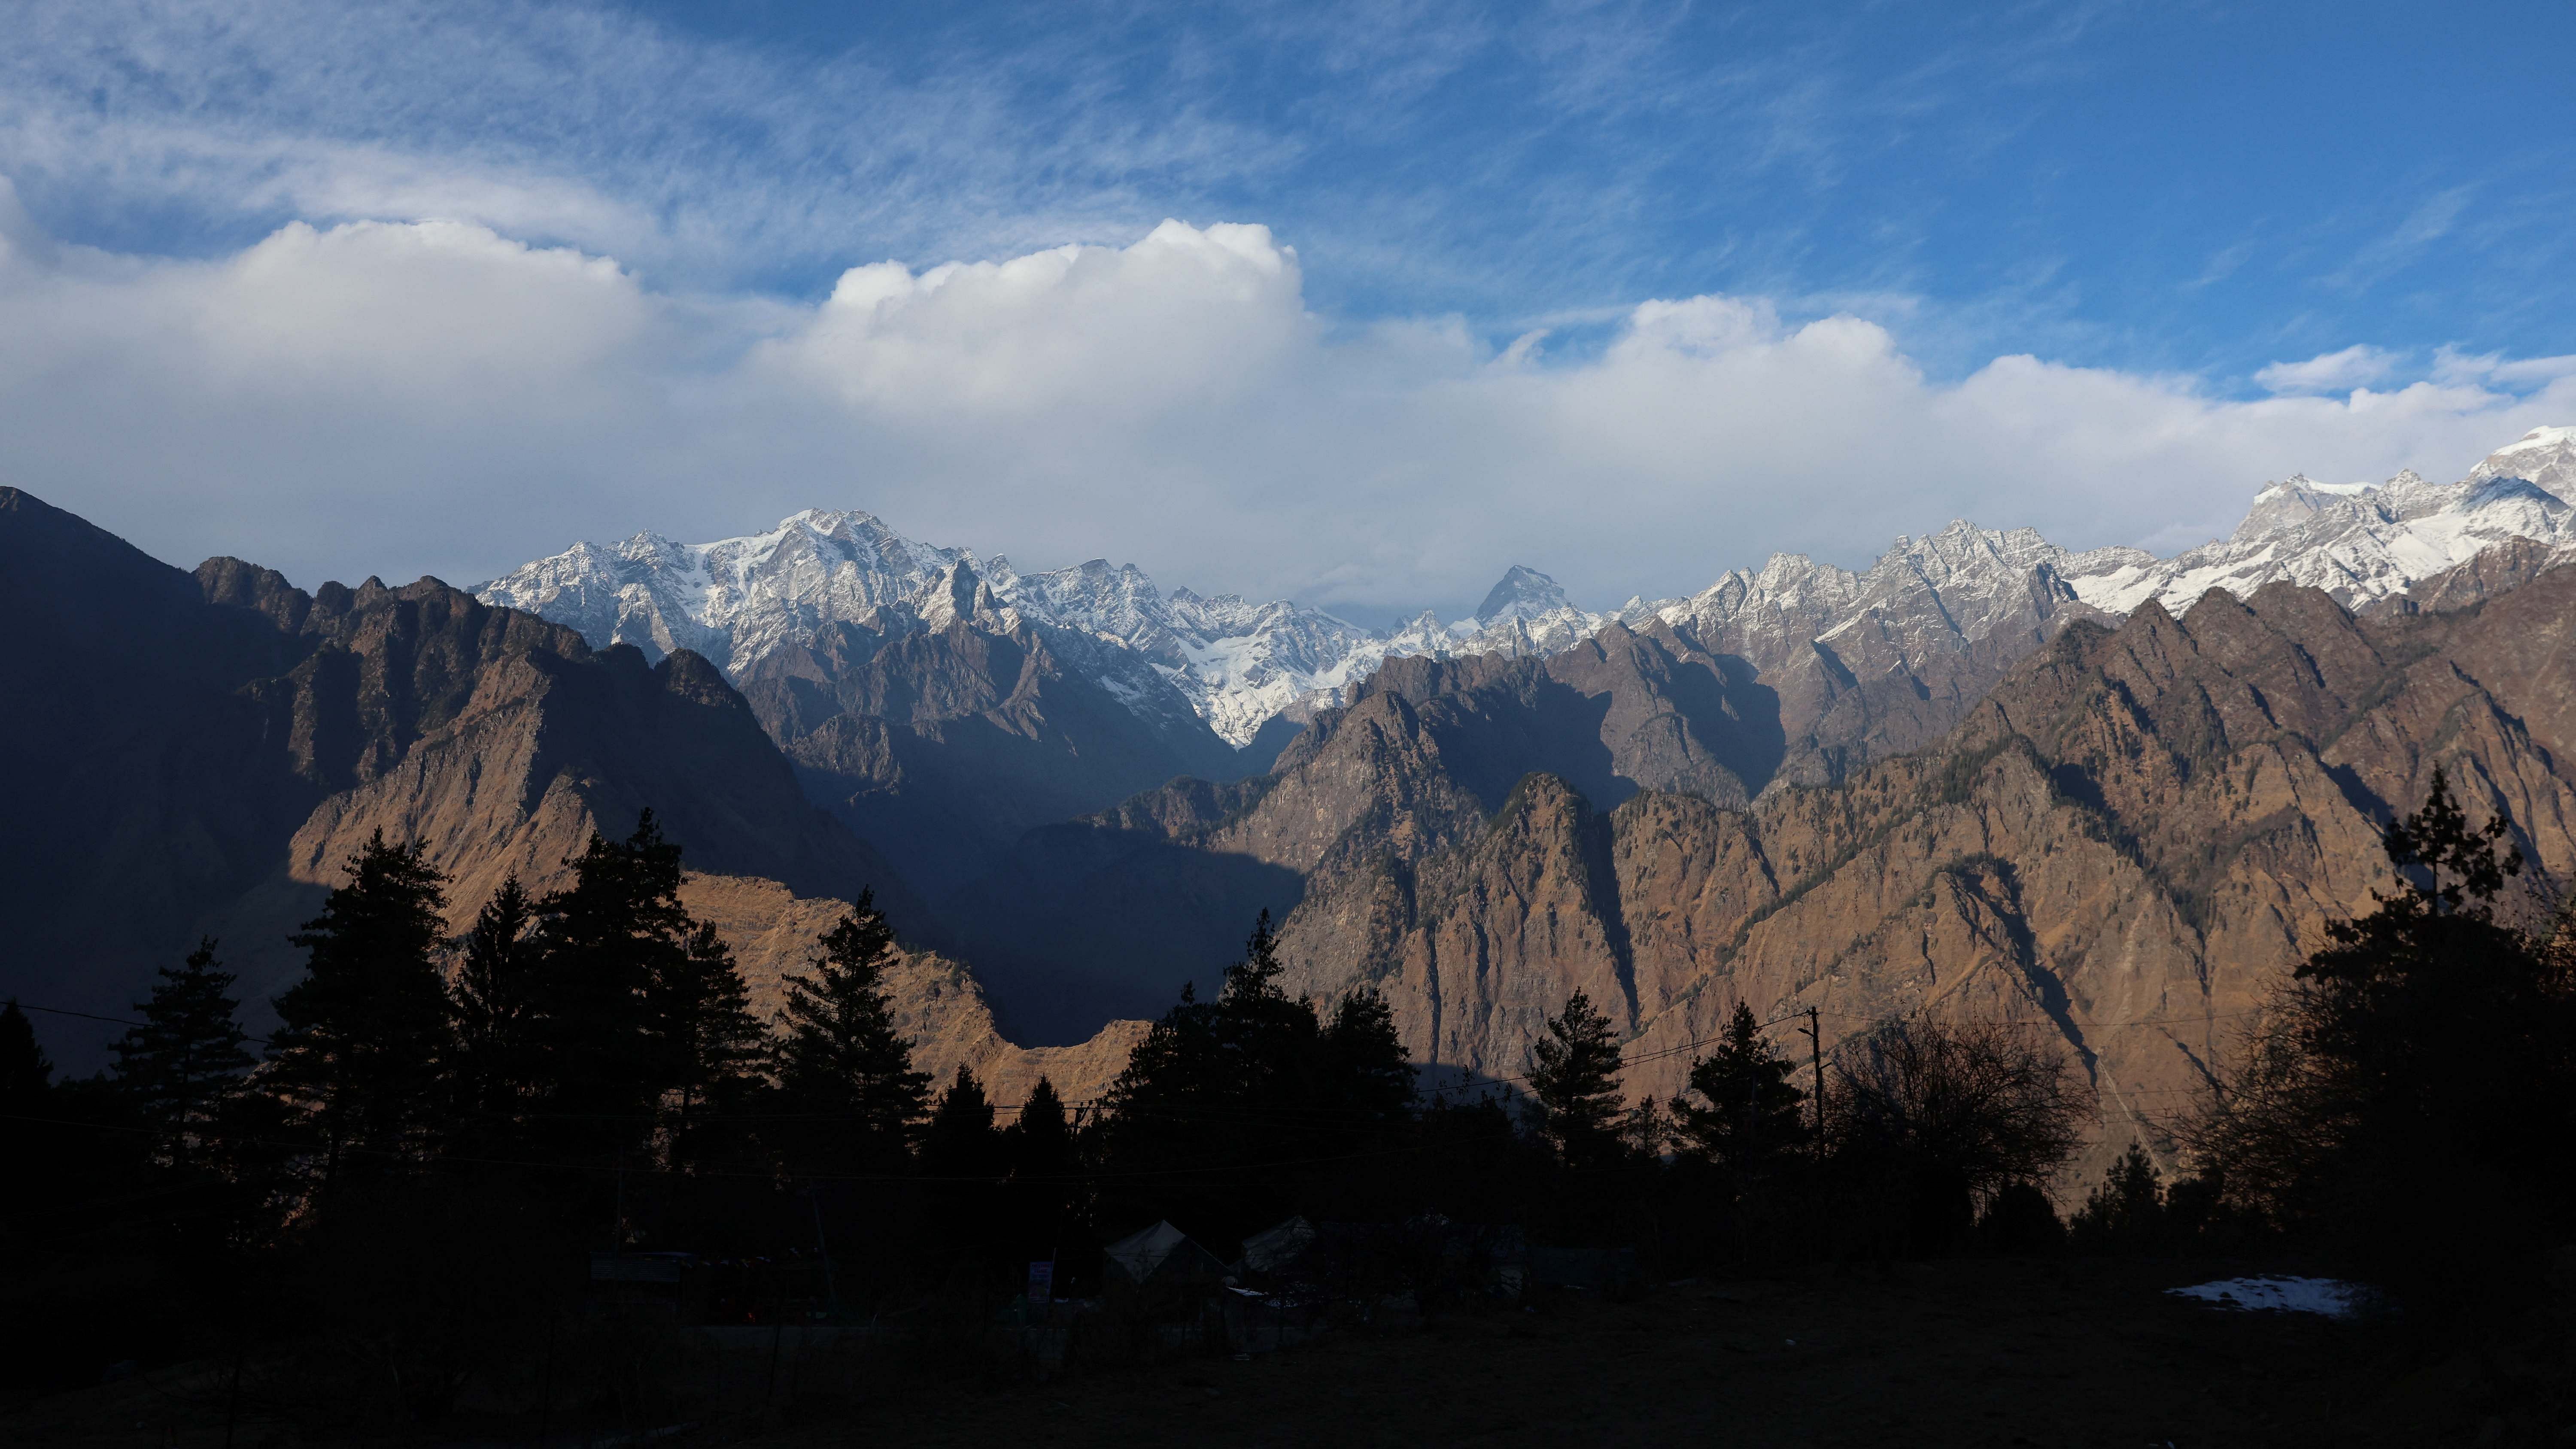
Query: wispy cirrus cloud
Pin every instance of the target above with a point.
(2356, 366)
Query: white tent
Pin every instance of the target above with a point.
(1278, 1246)
(1161, 1251)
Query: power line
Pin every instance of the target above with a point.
(572, 1165)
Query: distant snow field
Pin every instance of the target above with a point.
(2273, 1294)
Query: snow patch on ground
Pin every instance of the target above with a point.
(2275, 1294)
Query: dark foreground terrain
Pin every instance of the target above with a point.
(2061, 1354)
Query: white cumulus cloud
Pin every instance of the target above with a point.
(399, 398)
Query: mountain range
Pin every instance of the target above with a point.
(1238, 665)
(2104, 793)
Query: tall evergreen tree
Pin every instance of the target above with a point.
(365, 1033)
(847, 1094)
(1747, 1119)
(29, 1141)
(960, 1141)
(1224, 1085)
(962, 1156)
(177, 1069)
(1228, 1104)
(1044, 1197)
(495, 997)
(1574, 1086)
(2125, 1211)
(2398, 1092)
(26, 1073)
(705, 1043)
(1366, 1070)
(604, 942)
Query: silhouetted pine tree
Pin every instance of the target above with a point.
(494, 998)
(604, 942)
(365, 1033)
(26, 1074)
(1226, 1106)
(177, 1070)
(1574, 1087)
(962, 1157)
(2398, 1092)
(29, 1142)
(1366, 1073)
(847, 1096)
(706, 1047)
(2125, 1211)
(1747, 1119)
(1043, 1200)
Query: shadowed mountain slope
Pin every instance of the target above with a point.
(199, 754)
(942, 746)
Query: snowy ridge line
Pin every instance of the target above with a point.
(1237, 663)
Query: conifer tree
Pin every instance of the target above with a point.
(25, 1072)
(705, 1043)
(28, 1141)
(1574, 1085)
(1747, 1119)
(1045, 1163)
(1270, 1038)
(959, 1140)
(179, 1066)
(1224, 1085)
(495, 998)
(604, 942)
(2396, 1092)
(2125, 1212)
(365, 1033)
(1367, 1072)
(962, 1156)
(847, 1092)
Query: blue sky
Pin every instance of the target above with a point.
(2205, 205)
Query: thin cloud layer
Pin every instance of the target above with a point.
(439, 398)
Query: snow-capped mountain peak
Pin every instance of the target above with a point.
(1522, 593)
(2359, 541)
(1237, 663)
(2544, 456)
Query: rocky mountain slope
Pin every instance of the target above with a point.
(212, 747)
(941, 745)
(2123, 846)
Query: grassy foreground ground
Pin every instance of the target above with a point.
(1919, 1355)
(1969, 1353)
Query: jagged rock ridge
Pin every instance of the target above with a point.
(214, 746)
(1241, 665)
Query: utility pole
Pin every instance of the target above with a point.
(831, 1289)
(1816, 1057)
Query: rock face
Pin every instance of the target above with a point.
(2123, 845)
(1866, 664)
(213, 747)
(944, 745)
